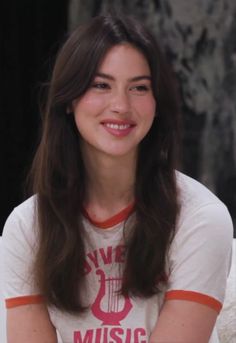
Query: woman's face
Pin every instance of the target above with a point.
(117, 110)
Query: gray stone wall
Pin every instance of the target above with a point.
(199, 38)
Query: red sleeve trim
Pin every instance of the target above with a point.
(195, 297)
(24, 300)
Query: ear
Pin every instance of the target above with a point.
(69, 109)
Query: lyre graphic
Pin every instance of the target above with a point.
(113, 315)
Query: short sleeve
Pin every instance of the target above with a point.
(18, 243)
(200, 256)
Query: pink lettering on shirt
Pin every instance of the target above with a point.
(111, 335)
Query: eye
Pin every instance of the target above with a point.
(140, 88)
(100, 85)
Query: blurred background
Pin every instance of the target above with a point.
(198, 38)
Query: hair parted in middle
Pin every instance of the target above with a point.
(59, 178)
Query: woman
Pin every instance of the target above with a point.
(116, 246)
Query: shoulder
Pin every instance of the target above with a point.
(27, 206)
(202, 214)
(22, 221)
(19, 245)
(200, 252)
(194, 194)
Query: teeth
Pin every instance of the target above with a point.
(118, 127)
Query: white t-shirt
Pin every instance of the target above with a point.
(197, 267)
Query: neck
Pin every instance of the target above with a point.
(110, 181)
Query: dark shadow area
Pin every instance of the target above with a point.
(30, 36)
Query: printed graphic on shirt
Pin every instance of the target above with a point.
(117, 306)
(109, 308)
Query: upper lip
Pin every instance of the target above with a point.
(118, 122)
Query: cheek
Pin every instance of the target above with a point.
(147, 107)
(88, 104)
(87, 108)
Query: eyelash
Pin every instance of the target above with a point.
(100, 85)
(141, 88)
(104, 86)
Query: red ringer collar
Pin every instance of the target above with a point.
(114, 220)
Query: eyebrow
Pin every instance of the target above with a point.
(133, 79)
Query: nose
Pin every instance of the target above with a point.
(120, 102)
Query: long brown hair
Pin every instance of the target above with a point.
(58, 173)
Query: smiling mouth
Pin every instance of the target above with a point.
(118, 127)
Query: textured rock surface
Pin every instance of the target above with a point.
(199, 39)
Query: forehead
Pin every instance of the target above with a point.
(124, 59)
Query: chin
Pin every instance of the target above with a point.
(121, 153)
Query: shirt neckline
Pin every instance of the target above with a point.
(112, 221)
